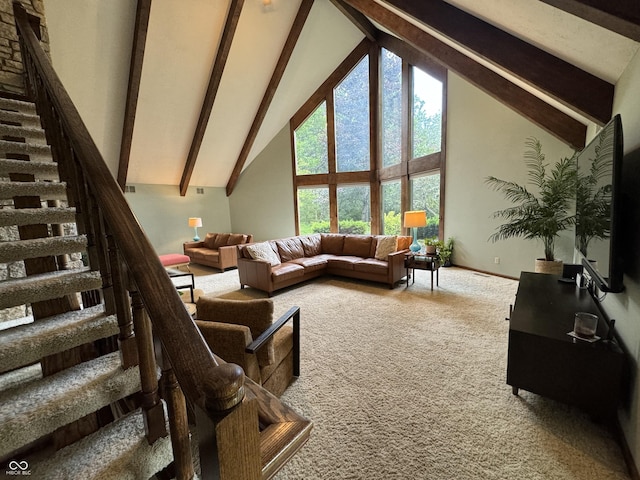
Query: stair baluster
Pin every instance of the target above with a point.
(178, 420)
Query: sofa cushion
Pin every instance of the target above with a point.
(345, 262)
(311, 264)
(210, 240)
(202, 253)
(236, 239)
(385, 245)
(221, 240)
(286, 271)
(332, 243)
(371, 265)
(357, 245)
(290, 248)
(311, 245)
(263, 251)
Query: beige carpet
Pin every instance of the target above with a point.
(410, 384)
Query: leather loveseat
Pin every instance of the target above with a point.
(217, 250)
(288, 261)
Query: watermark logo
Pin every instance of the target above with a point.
(16, 468)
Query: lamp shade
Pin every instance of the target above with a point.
(414, 219)
(195, 222)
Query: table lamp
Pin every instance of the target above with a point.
(415, 219)
(195, 222)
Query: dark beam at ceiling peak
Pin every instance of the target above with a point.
(581, 91)
(621, 16)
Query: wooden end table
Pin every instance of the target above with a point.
(427, 261)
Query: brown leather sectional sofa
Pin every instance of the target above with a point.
(308, 256)
(217, 250)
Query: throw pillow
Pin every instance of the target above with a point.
(236, 239)
(221, 240)
(404, 242)
(263, 251)
(210, 240)
(386, 245)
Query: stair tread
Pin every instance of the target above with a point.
(40, 169)
(29, 343)
(41, 247)
(51, 190)
(28, 132)
(22, 147)
(45, 286)
(119, 450)
(32, 216)
(17, 105)
(24, 118)
(59, 399)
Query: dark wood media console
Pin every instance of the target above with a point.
(544, 360)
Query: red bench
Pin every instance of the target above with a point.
(174, 260)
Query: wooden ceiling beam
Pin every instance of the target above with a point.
(233, 16)
(581, 91)
(278, 72)
(143, 10)
(557, 123)
(621, 16)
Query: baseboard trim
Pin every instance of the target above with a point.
(626, 451)
(486, 272)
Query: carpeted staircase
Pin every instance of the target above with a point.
(33, 407)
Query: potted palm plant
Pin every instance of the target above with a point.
(540, 214)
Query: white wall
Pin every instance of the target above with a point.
(486, 138)
(163, 214)
(91, 51)
(625, 307)
(262, 201)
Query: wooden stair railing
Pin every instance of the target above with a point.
(137, 288)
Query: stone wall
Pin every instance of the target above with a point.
(10, 58)
(11, 82)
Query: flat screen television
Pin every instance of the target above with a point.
(598, 234)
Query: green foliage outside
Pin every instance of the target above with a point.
(347, 226)
(351, 99)
(392, 223)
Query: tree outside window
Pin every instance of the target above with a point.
(313, 210)
(311, 143)
(354, 209)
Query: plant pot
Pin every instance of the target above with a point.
(431, 249)
(552, 267)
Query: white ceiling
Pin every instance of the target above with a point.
(181, 44)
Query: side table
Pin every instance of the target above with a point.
(430, 262)
(180, 286)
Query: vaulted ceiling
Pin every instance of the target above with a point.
(212, 82)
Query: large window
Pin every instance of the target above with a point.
(351, 106)
(355, 176)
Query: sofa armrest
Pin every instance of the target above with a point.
(227, 255)
(186, 245)
(292, 313)
(255, 273)
(396, 266)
